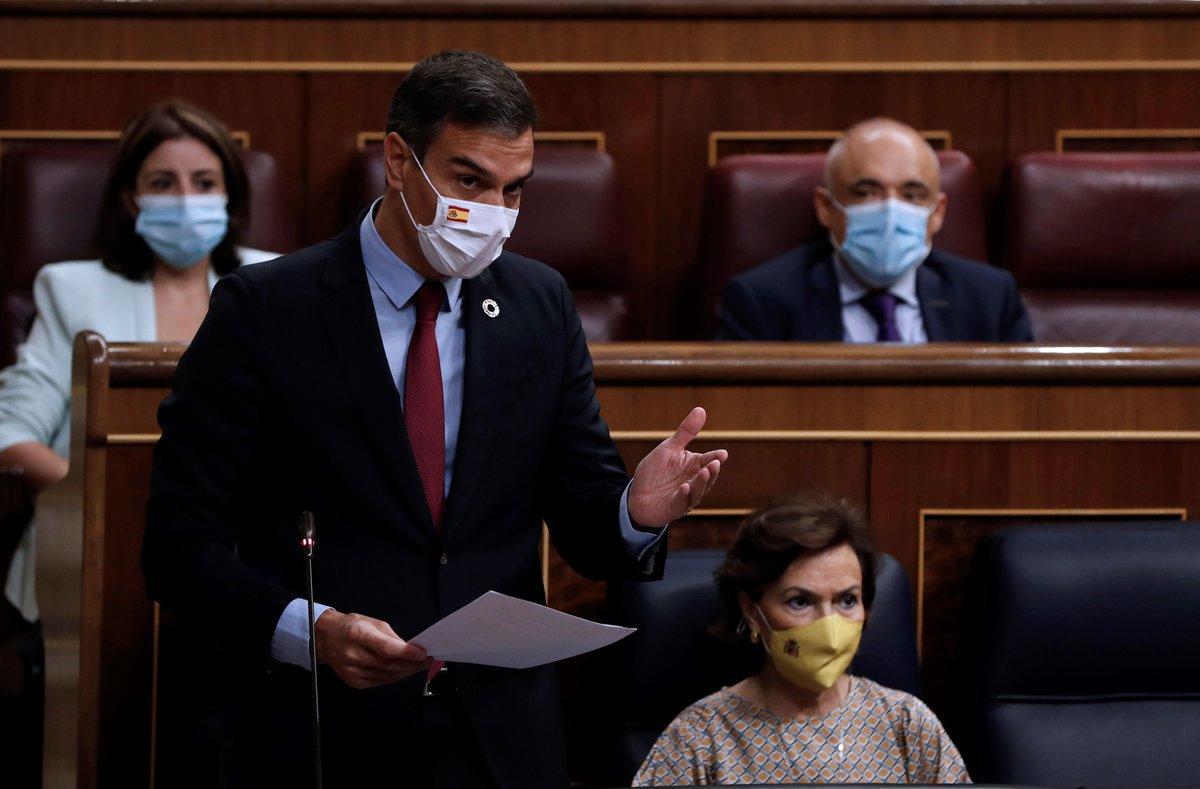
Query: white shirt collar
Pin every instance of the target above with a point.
(398, 280)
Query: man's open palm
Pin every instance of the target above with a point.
(670, 481)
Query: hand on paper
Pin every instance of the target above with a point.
(670, 481)
(366, 652)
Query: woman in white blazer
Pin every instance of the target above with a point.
(173, 210)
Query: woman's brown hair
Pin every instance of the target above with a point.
(773, 537)
(122, 250)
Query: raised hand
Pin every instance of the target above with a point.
(670, 481)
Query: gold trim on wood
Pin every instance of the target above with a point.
(126, 439)
(1061, 136)
(1180, 512)
(58, 134)
(597, 138)
(613, 67)
(917, 435)
(87, 135)
(717, 512)
(114, 439)
(716, 137)
(360, 142)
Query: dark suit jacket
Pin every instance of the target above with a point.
(795, 297)
(283, 403)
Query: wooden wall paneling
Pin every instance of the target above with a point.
(625, 109)
(127, 614)
(908, 477)
(950, 537)
(848, 412)
(267, 107)
(1045, 104)
(931, 502)
(1129, 140)
(621, 107)
(99, 626)
(757, 472)
(590, 9)
(727, 143)
(344, 44)
(340, 107)
(971, 107)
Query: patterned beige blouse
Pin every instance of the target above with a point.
(877, 735)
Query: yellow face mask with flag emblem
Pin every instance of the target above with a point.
(815, 655)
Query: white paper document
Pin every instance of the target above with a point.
(498, 630)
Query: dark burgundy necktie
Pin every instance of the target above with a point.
(882, 306)
(424, 412)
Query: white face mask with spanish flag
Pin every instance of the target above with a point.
(464, 237)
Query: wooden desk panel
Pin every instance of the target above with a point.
(940, 443)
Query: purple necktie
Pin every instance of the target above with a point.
(882, 306)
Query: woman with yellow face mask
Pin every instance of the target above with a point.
(799, 581)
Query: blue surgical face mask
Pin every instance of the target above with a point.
(182, 229)
(884, 239)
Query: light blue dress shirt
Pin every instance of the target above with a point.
(857, 323)
(393, 284)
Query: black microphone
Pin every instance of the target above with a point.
(308, 541)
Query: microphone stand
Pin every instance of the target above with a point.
(308, 541)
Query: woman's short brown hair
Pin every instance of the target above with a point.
(773, 537)
(122, 250)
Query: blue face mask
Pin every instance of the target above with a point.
(884, 239)
(182, 229)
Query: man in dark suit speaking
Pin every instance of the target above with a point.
(429, 398)
(877, 278)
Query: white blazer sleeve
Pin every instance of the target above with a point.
(35, 391)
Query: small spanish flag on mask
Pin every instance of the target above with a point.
(456, 213)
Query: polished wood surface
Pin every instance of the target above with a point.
(565, 44)
(629, 8)
(656, 126)
(660, 80)
(825, 363)
(97, 620)
(940, 443)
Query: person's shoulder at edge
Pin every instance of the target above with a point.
(972, 273)
(76, 273)
(708, 715)
(266, 268)
(85, 274)
(882, 694)
(688, 735)
(249, 255)
(784, 267)
(906, 708)
(527, 271)
(918, 721)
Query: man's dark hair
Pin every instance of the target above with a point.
(773, 537)
(467, 88)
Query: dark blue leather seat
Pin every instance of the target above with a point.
(1088, 655)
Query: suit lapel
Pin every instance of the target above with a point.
(487, 354)
(348, 315)
(824, 304)
(935, 307)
